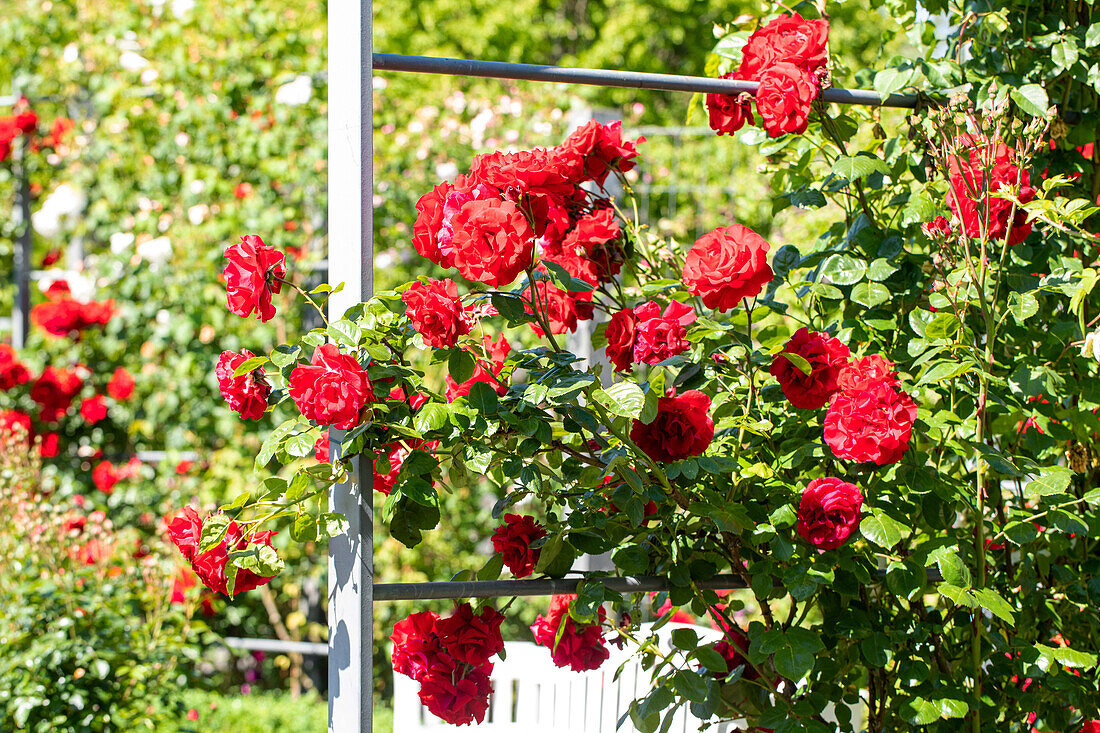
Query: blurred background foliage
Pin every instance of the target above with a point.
(199, 121)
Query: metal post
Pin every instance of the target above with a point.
(351, 255)
(23, 252)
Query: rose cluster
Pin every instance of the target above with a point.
(513, 541)
(514, 213)
(787, 57)
(185, 532)
(25, 122)
(572, 644)
(449, 657)
(982, 169)
(869, 419)
(63, 316)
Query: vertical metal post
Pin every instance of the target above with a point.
(351, 256)
(23, 251)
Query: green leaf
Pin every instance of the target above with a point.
(960, 596)
(870, 294)
(431, 416)
(1022, 306)
(797, 360)
(690, 685)
(1053, 480)
(943, 326)
(482, 398)
(843, 270)
(561, 277)
(859, 166)
(273, 441)
(952, 568)
(943, 370)
(492, 568)
(213, 531)
(624, 399)
(461, 365)
(883, 530)
(918, 711)
(1032, 99)
(991, 600)
(249, 365)
(344, 333)
(792, 663)
(300, 444)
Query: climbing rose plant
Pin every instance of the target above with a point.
(882, 442)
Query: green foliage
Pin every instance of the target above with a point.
(255, 713)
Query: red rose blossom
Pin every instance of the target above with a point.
(13, 421)
(332, 389)
(870, 425)
(320, 448)
(597, 238)
(458, 698)
(470, 638)
(938, 230)
(785, 99)
(580, 646)
(552, 171)
(12, 371)
(860, 374)
(659, 336)
(829, 512)
(620, 335)
(989, 213)
(93, 409)
(414, 644)
(734, 648)
(513, 541)
(827, 357)
(253, 272)
(493, 242)
(602, 149)
(49, 446)
(105, 476)
(54, 391)
(728, 113)
(185, 532)
(726, 265)
(247, 394)
(788, 38)
(561, 308)
(436, 312)
(121, 386)
(681, 429)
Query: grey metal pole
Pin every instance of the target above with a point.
(23, 252)
(351, 257)
(613, 78)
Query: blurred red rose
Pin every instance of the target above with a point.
(121, 386)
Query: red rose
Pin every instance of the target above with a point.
(183, 581)
(13, 422)
(59, 318)
(620, 334)
(553, 171)
(59, 130)
(93, 409)
(596, 238)
(602, 149)
(247, 394)
(829, 512)
(681, 429)
(54, 391)
(469, 638)
(726, 265)
(48, 447)
(429, 220)
(728, 113)
(785, 99)
(493, 242)
(12, 371)
(455, 697)
(788, 38)
(580, 646)
(186, 530)
(320, 448)
(243, 190)
(513, 541)
(734, 648)
(254, 271)
(496, 353)
(436, 312)
(561, 308)
(938, 230)
(862, 373)
(121, 386)
(105, 476)
(415, 644)
(332, 389)
(184, 467)
(827, 357)
(870, 425)
(1091, 726)
(396, 454)
(657, 335)
(988, 213)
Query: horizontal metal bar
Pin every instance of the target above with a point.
(612, 78)
(547, 587)
(556, 586)
(277, 646)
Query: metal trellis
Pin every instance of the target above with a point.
(351, 588)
